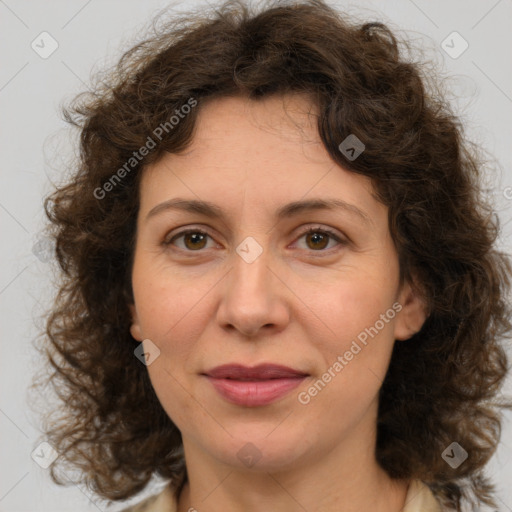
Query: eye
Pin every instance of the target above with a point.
(194, 239)
(316, 238)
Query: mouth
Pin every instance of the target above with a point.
(256, 386)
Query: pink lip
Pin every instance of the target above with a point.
(252, 387)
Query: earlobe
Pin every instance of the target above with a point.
(135, 330)
(413, 314)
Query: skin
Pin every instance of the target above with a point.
(203, 305)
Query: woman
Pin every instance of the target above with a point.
(280, 287)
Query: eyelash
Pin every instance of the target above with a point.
(324, 231)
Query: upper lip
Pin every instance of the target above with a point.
(259, 372)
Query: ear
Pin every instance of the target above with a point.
(135, 329)
(413, 314)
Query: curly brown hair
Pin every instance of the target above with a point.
(442, 386)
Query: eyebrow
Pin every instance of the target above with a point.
(288, 210)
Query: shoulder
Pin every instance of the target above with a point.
(164, 501)
(421, 499)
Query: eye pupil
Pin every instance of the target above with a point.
(318, 237)
(195, 238)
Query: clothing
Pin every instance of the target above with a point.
(419, 499)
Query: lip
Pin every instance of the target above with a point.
(254, 386)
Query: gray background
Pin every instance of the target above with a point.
(35, 144)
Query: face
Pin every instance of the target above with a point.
(247, 284)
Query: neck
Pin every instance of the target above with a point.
(346, 479)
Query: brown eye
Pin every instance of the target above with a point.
(193, 240)
(317, 239)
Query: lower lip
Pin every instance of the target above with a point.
(254, 393)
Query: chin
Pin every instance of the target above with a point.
(255, 450)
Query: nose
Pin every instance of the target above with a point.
(253, 298)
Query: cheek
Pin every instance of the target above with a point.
(173, 319)
(355, 343)
(343, 311)
(175, 397)
(174, 324)
(166, 302)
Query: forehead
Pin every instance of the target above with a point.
(237, 127)
(268, 151)
(288, 116)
